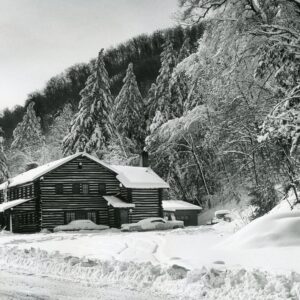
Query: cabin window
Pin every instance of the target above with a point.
(15, 193)
(92, 215)
(76, 188)
(69, 216)
(25, 219)
(21, 192)
(11, 194)
(80, 215)
(85, 188)
(59, 188)
(102, 188)
(30, 190)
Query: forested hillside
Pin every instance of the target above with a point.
(144, 51)
(216, 117)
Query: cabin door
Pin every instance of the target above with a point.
(124, 216)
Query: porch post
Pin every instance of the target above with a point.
(10, 222)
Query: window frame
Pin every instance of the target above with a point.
(102, 189)
(76, 188)
(69, 215)
(30, 191)
(85, 189)
(73, 215)
(59, 188)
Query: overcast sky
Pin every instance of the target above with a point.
(41, 38)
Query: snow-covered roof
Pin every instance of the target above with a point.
(173, 205)
(130, 177)
(139, 177)
(7, 205)
(38, 172)
(117, 202)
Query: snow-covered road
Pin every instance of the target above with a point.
(20, 285)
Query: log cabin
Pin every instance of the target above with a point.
(79, 186)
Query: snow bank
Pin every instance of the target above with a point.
(240, 218)
(286, 205)
(279, 230)
(210, 284)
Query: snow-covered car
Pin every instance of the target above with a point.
(80, 225)
(221, 215)
(152, 224)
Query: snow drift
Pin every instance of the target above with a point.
(176, 281)
(276, 229)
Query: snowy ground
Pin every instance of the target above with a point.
(27, 286)
(191, 263)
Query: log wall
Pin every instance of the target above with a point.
(148, 203)
(54, 205)
(25, 217)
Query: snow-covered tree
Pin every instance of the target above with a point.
(90, 127)
(150, 106)
(158, 120)
(129, 109)
(59, 128)
(163, 94)
(58, 131)
(183, 139)
(4, 173)
(184, 51)
(171, 90)
(28, 135)
(280, 55)
(179, 83)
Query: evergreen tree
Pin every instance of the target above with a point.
(185, 50)
(179, 84)
(58, 131)
(150, 106)
(129, 109)
(89, 130)
(60, 125)
(4, 173)
(28, 136)
(163, 94)
(178, 96)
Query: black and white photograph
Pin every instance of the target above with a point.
(149, 149)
